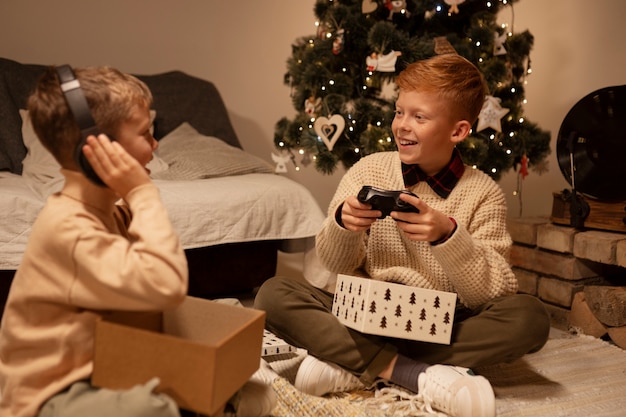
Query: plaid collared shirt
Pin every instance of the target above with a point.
(443, 182)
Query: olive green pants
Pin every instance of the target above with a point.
(82, 399)
(502, 330)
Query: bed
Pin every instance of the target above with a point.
(232, 212)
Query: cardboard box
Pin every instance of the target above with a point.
(203, 354)
(394, 310)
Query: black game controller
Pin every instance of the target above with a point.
(386, 201)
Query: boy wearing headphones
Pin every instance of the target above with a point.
(89, 254)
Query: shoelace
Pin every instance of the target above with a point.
(400, 403)
(347, 382)
(438, 400)
(437, 396)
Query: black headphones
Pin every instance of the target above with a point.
(79, 107)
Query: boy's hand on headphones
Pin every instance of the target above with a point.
(114, 165)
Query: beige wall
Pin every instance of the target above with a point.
(243, 46)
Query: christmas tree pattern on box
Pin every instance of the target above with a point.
(394, 310)
(274, 345)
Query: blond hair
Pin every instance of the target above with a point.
(453, 78)
(111, 94)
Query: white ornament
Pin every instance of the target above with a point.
(311, 105)
(498, 45)
(396, 6)
(281, 162)
(382, 63)
(454, 5)
(491, 114)
(329, 129)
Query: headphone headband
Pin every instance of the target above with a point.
(76, 101)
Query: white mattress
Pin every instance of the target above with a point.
(206, 212)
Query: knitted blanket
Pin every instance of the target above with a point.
(573, 375)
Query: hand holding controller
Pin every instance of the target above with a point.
(384, 200)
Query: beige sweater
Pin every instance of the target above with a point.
(85, 257)
(472, 263)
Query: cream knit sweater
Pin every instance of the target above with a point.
(472, 263)
(85, 258)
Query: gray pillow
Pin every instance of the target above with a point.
(191, 155)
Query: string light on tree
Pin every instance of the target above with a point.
(347, 69)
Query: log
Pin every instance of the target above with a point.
(582, 318)
(618, 336)
(607, 303)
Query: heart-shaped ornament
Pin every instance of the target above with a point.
(369, 6)
(329, 129)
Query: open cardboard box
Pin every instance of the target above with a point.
(203, 352)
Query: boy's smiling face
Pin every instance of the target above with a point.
(134, 135)
(424, 130)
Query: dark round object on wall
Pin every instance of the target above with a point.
(594, 132)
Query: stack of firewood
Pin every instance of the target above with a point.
(600, 311)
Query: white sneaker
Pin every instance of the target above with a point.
(318, 378)
(257, 397)
(457, 391)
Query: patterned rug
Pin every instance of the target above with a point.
(573, 376)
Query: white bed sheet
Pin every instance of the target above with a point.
(240, 208)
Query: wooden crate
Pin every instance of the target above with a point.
(602, 215)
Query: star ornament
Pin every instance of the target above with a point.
(454, 5)
(491, 114)
(498, 44)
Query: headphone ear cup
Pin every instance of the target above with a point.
(84, 165)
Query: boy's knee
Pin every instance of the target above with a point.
(266, 295)
(83, 399)
(532, 321)
(142, 401)
(273, 296)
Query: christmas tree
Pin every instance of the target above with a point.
(342, 77)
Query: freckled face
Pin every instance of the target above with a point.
(134, 135)
(423, 130)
